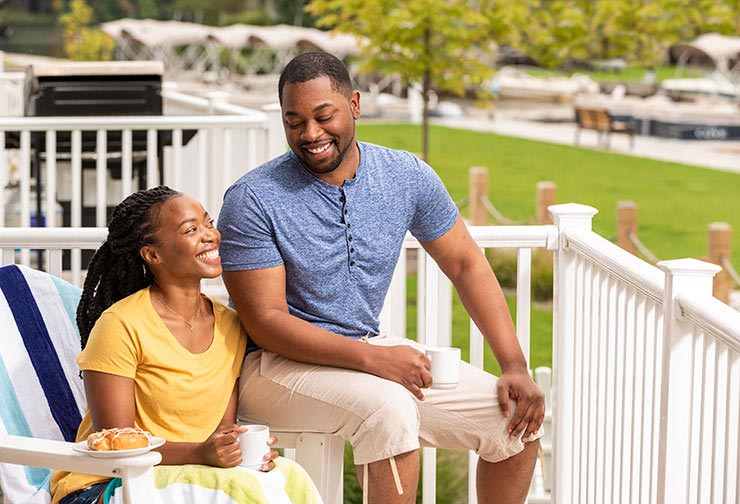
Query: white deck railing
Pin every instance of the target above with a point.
(646, 376)
(646, 392)
(200, 147)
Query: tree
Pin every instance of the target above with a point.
(81, 42)
(552, 31)
(437, 44)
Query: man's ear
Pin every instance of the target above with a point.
(354, 104)
(149, 255)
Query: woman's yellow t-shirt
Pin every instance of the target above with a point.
(179, 395)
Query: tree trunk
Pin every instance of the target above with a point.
(426, 85)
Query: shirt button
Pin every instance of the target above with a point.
(351, 263)
(351, 250)
(349, 225)
(350, 238)
(341, 198)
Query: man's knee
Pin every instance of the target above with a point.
(390, 427)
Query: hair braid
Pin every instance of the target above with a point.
(117, 270)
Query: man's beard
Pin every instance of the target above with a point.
(331, 167)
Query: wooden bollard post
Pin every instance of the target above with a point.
(546, 196)
(719, 245)
(477, 191)
(626, 225)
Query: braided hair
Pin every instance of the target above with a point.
(117, 270)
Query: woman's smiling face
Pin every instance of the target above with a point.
(186, 241)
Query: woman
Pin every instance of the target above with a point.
(156, 353)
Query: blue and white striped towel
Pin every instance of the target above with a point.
(41, 393)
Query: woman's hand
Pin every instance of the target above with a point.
(269, 464)
(221, 449)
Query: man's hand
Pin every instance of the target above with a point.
(401, 364)
(530, 408)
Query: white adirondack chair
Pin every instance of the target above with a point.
(42, 396)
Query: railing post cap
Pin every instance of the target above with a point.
(719, 226)
(689, 267)
(217, 95)
(572, 210)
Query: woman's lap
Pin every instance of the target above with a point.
(87, 495)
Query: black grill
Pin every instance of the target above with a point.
(94, 89)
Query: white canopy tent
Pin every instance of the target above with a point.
(708, 50)
(189, 46)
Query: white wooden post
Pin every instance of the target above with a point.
(687, 275)
(567, 216)
(276, 143)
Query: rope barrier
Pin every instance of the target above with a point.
(642, 248)
(727, 265)
(493, 212)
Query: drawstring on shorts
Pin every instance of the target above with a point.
(396, 478)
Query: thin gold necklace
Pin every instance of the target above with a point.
(192, 320)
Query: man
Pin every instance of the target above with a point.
(309, 244)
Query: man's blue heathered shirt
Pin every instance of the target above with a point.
(339, 245)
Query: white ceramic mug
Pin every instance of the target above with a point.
(253, 444)
(445, 368)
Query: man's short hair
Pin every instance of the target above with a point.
(312, 65)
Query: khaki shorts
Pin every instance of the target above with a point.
(379, 418)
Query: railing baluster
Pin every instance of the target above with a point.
(731, 465)
(430, 338)
(636, 423)
(523, 299)
(101, 178)
(177, 167)
(152, 158)
(707, 404)
(719, 443)
(25, 195)
(76, 200)
(618, 397)
(203, 172)
(227, 160)
(127, 157)
(579, 382)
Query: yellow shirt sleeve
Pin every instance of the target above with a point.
(111, 348)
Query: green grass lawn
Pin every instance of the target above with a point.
(629, 74)
(676, 202)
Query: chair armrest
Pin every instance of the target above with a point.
(52, 454)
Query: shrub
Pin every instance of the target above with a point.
(504, 264)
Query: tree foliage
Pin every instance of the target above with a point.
(640, 31)
(81, 42)
(438, 45)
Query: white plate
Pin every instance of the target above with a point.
(82, 448)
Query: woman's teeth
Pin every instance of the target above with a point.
(211, 254)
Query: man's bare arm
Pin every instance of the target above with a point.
(466, 266)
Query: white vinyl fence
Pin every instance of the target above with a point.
(646, 376)
(646, 385)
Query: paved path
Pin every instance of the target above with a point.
(713, 154)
